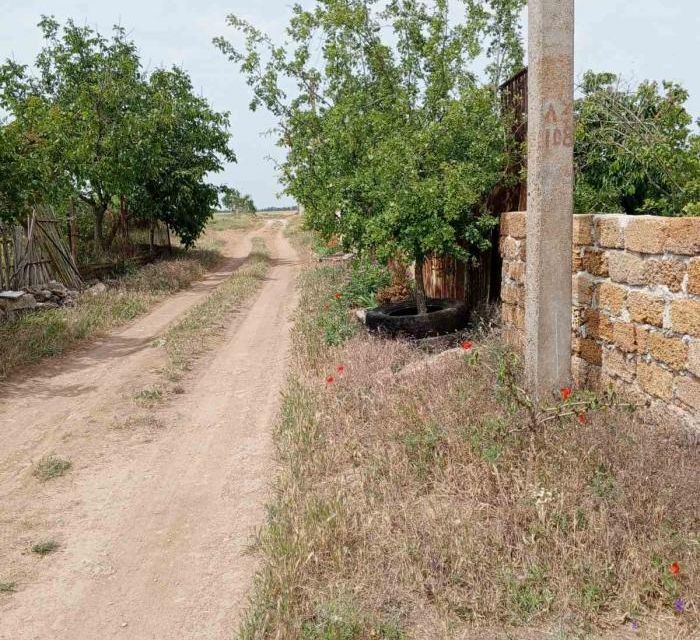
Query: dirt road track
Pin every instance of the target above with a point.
(155, 517)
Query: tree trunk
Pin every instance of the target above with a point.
(152, 238)
(100, 211)
(421, 299)
(124, 221)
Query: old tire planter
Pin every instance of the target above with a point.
(402, 319)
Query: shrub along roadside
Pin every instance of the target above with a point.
(423, 505)
(36, 336)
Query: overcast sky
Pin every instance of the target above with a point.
(656, 39)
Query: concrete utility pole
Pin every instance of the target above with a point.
(550, 196)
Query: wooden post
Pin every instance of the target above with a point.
(72, 233)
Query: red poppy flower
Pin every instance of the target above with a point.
(338, 296)
(341, 369)
(675, 568)
(565, 393)
(582, 418)
(330, 380)
(467, 345)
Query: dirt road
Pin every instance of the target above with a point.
(154, 519)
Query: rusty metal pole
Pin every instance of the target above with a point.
(550, 196)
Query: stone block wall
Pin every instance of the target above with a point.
(636, 306)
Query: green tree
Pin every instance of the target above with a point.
(91, 88)
(183, 140)
(635, 149)
(14, 182)
(32, 171)
(91, 125)
(393, 143)
(233, 200)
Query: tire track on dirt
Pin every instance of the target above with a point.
(154, 526)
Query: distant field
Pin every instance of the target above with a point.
(284, 212)
(224, 220)
(260, 212)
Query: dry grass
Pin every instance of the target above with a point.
(239, 221)
(422, 505)
(195, 332)
(36, 336)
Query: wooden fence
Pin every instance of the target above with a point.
(479, 282)
(514, 104)
(37, 254)
(8, 256)
(47, 248)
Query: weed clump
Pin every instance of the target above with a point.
(45, 548)
(149, 396)
(51, 467)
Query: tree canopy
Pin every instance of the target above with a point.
(91, 124)
(635, 150)
(233, 200)
(394, 142)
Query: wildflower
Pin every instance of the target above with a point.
(341, 369)
(635, 625)
(330, 380)
(674, 568)
(565, 393)
(679, 605)
(467, 345)
(338, 296)
(582, 418)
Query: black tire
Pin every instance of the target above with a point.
(444, 316)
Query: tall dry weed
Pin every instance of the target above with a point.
(416, 501)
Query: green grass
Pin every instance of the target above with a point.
(36, 336)
(45, 547)
(196, 331)
(330, 322)
(366, 279)
(149, 396)
(51, 467)
(340, 620)
(8, 587)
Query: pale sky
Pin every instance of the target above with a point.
(655, 39)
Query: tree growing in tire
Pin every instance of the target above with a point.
(393, 142)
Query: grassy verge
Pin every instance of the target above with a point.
(423, 505)
(36, 336)
(194, 334)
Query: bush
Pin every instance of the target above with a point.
(366, 279)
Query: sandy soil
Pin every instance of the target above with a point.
(155, 517)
